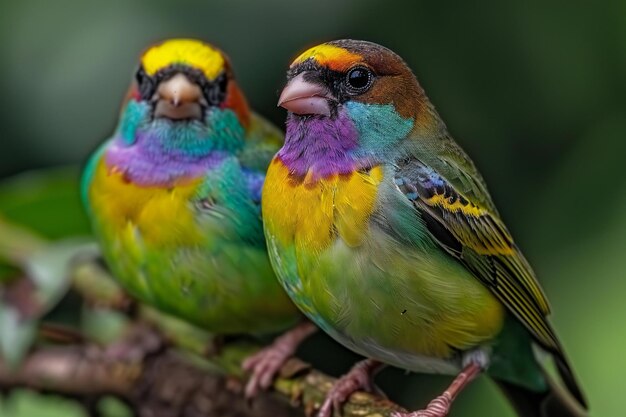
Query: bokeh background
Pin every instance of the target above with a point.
(535, 91)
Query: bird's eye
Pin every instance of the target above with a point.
(359, 80)
(215, 92)
(140, 75)
(145, 83)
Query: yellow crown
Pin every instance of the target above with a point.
(332, 56)
(184, 51)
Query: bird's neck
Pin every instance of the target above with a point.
(162, 152)
(358, 137)
(320, 147)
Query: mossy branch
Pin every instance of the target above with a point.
(166, 383)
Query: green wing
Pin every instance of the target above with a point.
(448, 159)
(460, 215)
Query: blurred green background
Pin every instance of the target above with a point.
(535, 92)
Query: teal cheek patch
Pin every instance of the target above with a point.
(227, 131)
(134, 115)
(379, 125)
(221, 131)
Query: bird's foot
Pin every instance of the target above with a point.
(359, 378)
(265, 364)
(439, 407)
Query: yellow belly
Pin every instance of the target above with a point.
(312, 214)
(161, 216)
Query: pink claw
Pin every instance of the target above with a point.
(359, 378)
(265, 364)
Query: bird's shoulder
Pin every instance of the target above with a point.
(444, 156)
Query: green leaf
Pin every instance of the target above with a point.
(35, 205)
(110, 406)
(50, 269)
(46, 201)
(16, 335)
(7, 272)
(24, 403)
(17, 243)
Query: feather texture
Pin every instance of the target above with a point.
(415, 268)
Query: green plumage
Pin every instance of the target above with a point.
(194, 250)
(174, 194)
(428, 278)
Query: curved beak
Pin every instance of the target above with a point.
(303, 97)
(178, 98)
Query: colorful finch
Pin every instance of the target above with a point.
(382, 231)
(174, 196)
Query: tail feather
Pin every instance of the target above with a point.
(554, 402)
(567, 375)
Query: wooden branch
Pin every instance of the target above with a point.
(161, 386)
(165, 383)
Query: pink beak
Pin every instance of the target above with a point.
(302, 97)
(178, 98)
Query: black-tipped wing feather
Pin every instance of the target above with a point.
(466, 225)
(477, 237)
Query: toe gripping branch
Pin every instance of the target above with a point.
(266, 364)
(440, 406)
(360, 377)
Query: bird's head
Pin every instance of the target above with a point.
(350, 98)
(184, 100)
(329, 76)
(184, 80)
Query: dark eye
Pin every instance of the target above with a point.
(140, 75)
(215, 92)
(145, 84)
(359, 79)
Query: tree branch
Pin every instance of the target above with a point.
(165, 383)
